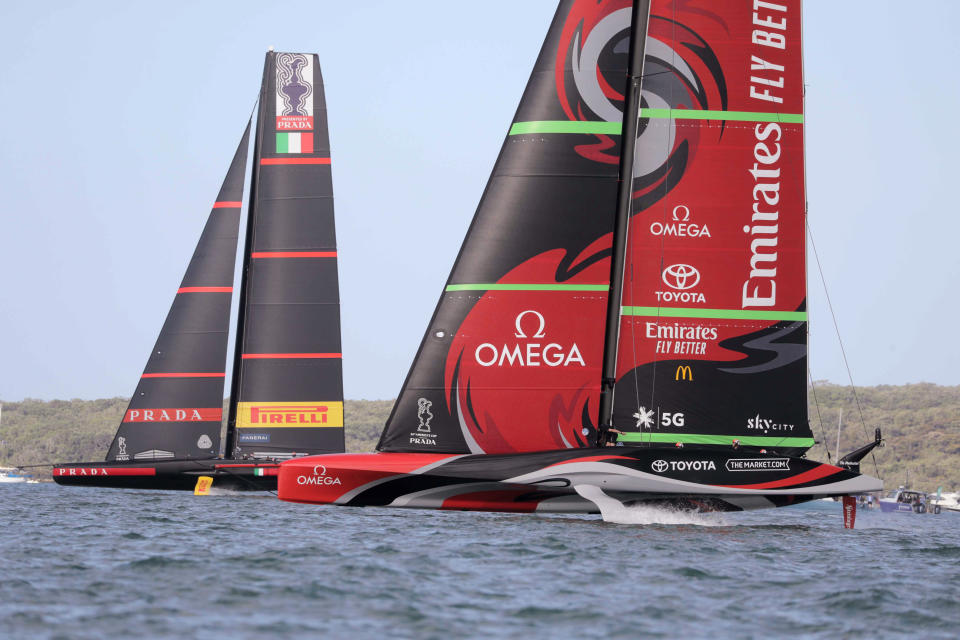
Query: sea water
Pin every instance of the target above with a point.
(95, 563)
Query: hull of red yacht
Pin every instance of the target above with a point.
(573, 480)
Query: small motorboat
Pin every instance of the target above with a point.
(11, 476)
(903, 500)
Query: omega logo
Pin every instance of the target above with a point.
(539, 333)
(529, 354)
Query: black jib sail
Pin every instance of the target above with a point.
(511, 360)
(288, 371)
(176, 410)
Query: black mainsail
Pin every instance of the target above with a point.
(288, 379)
(176, 409)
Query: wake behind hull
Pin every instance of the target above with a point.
(566, 481)
(177, 475)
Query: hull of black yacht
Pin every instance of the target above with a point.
(179, 475)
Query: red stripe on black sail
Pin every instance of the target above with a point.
(511, 360)
(175, 410)
(713, 336)
(289, 377)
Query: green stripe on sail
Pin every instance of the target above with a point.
(731, 314)
(496, 286)
(706, 114)
(614, 128)
(282, 146)
(699, 438)
(565, 126)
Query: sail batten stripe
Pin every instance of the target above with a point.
(700, 438)
(708, 114)
(205, 290)
(268, 161)
(183, 375)
(615, 128)
(730, 314)
(224, 204)
(566, 126)
(498, 286)
(255, 356)
(294, 254)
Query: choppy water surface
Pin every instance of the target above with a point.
(81, 563)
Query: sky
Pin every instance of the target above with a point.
(118, 121)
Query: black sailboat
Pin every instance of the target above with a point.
(287, 390)
(634, 275)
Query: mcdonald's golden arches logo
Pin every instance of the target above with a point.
(684, 372)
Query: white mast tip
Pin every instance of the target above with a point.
(270, 48)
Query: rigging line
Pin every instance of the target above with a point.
(621, 236)
(816, 403)
(245, 265)
(633, 324)
(630, 252)
(843, 351)
(631, 243)
(666, 192)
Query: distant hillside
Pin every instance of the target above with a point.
(921, 423)
(37, 432)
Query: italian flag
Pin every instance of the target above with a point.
(294, 142)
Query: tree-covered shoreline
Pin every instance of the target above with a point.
(921, 423)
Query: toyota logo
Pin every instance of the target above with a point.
(659, 466)
(681, 277)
